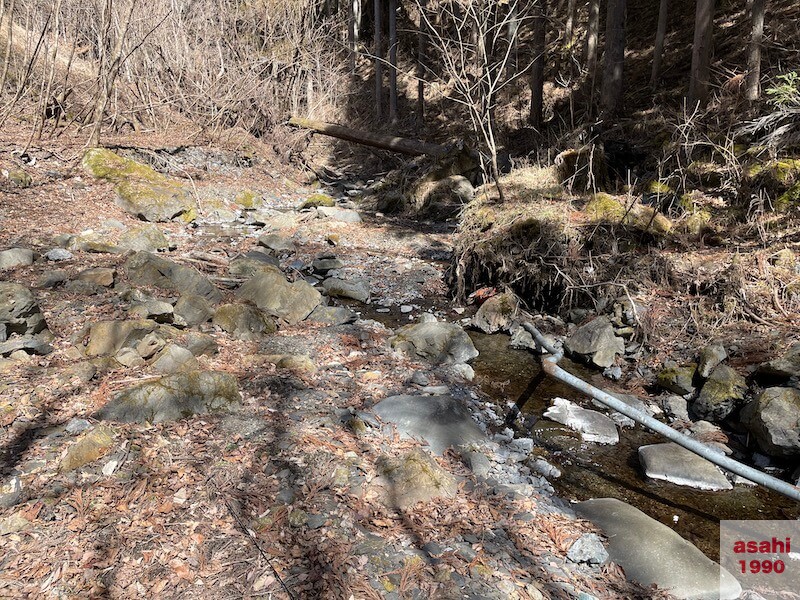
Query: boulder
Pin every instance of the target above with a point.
(709, 358)
(253, 263)
(271, 293)
(415, 477)
(317, 200)
(152, 308)
(106, 338)
(19, 312)
(774, 420)
(199, 343)
(143, 238)
(340, 288)
(15, 257)
(193, 309)
(439, 343)
(323, 264)
(592, 425)
(243, 322)
(721, 394)
(783, 367)
(650, 553)
(173, 397)
(335, 213)
(145, 268)
(140, 190)
(441, 421)
(28, 343)
(596, 341)
(332, 315)
(91, 241)
(174, 359)
(276, 243)
(674, 463)
(677, 379)
(496, 313)
(102, 276)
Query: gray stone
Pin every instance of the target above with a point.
(173, 397)
(76, 426)
(415, 477)
(252, 264)
(51, 279)
(193, 309)
(440, 343)
(596, 340)
(243, 322)
(19, 312)
(675, 407)
(58, 254)
(129, 357)
(709, 358)
(10, 492)
(441, 421)
(271, 293)
(340, 288)
(334, 213)
(774, 420)
(721, 394)
(325, 264)
(652, 554)
(28, 343)
(145, 268)
(588, 548)
(107, 337)
(157, 310)
(496, 313)
(276, 243)
(150, 344)
(102, 276)
(677, 379)
(199, 343)
(332, 315)
(674, 463)
(91, 241)
(174, 359)
(143, 238)
(783, 367)
(592, 425)
(15, 257)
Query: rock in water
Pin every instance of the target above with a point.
(145, 268)
(774, 420)
(173, 397)
(440, 343)
(270, 292)
(673, 463)
(652, 554)
(592, 425)
(441, 421)
(721, 394)
(496, 313)
(596, 340)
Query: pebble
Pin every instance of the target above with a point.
(406, 308)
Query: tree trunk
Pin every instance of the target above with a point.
(422, 35)
(570, 25)
(378, 63)
(351, 34)
(701, 53)
(658, 51)
(613, 58)
(592, 35)
(753, 81)
(513, 31)
(537, 68)
(376, 140)
(393, 61)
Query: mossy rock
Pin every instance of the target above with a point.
(249, 200)
(88, 449)
(707, 174)
(659, 187)
(677, 379)
(20, 178)
(317, 200)
(696, 223)
(605, 207)
(788, 200)
(141, 190)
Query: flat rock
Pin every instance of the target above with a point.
(15, 257)
(253, 263)
(651, 553)
(199, 343)
(28, 343)
(143, 238)
(58, 255)
(439, 343)
(106, 338)
(173, 397)
(335, 213)
(592, 425)
(174, 359)
(145, 268)
(774, 420)
(341, 288)
(325, 264)
(271, 293)
(19, 312)
(332, 315)
(674, 463)
(102, 276)
(415, 477)
(243, 322)
(596, 341)
(496, 313)
(89, 448)
(276, 243)
(441, 421)
(193, 309)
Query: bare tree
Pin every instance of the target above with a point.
(352, 32)
(9, 19)
(537, 68)
(592, 36)
(753, 79)
(422, 36)
(613, 58)
(378, 61)
(393, 61)
(569, 27)
(701, 53)
(658, 49)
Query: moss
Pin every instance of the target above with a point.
(649, 219)
(659, 187)
(788, 199)
(249, 200)
(105, 164)
(315, 200)
(696, 222)
(20, 178)
(604, 207)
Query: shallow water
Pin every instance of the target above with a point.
(595, 471)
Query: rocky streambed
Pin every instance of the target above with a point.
(241, 375)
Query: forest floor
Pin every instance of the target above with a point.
(281, 498)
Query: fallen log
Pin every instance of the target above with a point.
(376, 140)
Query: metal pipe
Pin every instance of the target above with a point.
(550, 365)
